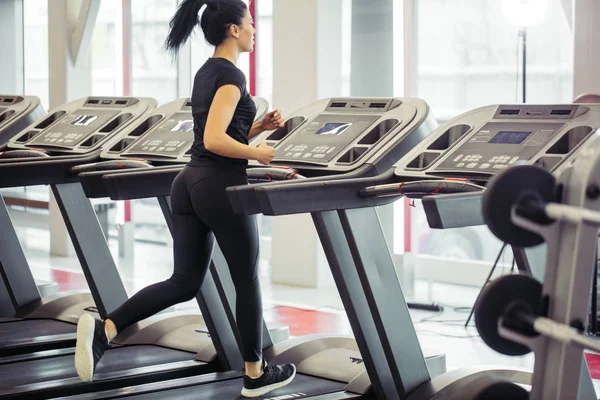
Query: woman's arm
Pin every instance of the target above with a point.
(220, 115)
(256, 129)
(271, 120)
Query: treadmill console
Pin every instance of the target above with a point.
(497, 145)
(323, 138)
(165, 136)
(16, 113)
(83, 125)
(480, 143)
(73, 128)
(342, 134)
(172, 137)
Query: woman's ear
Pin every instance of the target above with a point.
(234, 31)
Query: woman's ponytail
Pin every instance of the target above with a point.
(182, 24)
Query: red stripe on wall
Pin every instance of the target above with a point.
(407, 244)
(127, 210)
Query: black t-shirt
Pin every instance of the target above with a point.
(217, 72)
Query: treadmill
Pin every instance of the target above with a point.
(44, 153)
(16, 113)
(164, 346)
(449, 170)
(39, 154)
(330, 139)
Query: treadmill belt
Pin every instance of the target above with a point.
(39, 333)
(114, 360)
(302, 386)
(32, 328)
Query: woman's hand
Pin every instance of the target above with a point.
(264, 153)
(272, 120)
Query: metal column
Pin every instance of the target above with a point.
(362, 277)
(91, 247)
(17, 280)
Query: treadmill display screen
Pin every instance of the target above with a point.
(84, 120)
(510, 137)
(184, 125)
(170, 138)
(74, 128)
(333, 128)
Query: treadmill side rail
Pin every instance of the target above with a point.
(116, 379)
(220, 377)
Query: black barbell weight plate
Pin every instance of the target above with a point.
(496, 299)
(503, 390)
(495, 387)
(510, 187)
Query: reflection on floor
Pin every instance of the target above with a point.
(305, 311)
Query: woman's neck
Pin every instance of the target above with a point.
(228, 52)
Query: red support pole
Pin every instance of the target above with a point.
(126, 15)
(407, 242)
(252, 9)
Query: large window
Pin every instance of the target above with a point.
(35, 19)
(153, 73)
(466, 55)
(107, 50)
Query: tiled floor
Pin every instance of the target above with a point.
(303, 310)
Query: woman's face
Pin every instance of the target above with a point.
(246, 33)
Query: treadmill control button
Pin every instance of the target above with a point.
(484, 166)
(458, 158)
(460, 165)
(514, 160)
(472, 165)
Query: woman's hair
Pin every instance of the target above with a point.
(215, 21)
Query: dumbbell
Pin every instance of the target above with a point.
(532, 193)
(515, 302)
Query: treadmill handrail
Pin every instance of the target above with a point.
(41, 171)
(245, 199)
(40, 157)
(159, 179)
(110, 165)
(422, 188)
(308, 195)
(23, 153)
(270, 173)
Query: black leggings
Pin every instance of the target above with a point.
(201, 212)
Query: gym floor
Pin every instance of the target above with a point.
(305, 311)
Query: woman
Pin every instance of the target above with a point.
(223, 122)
